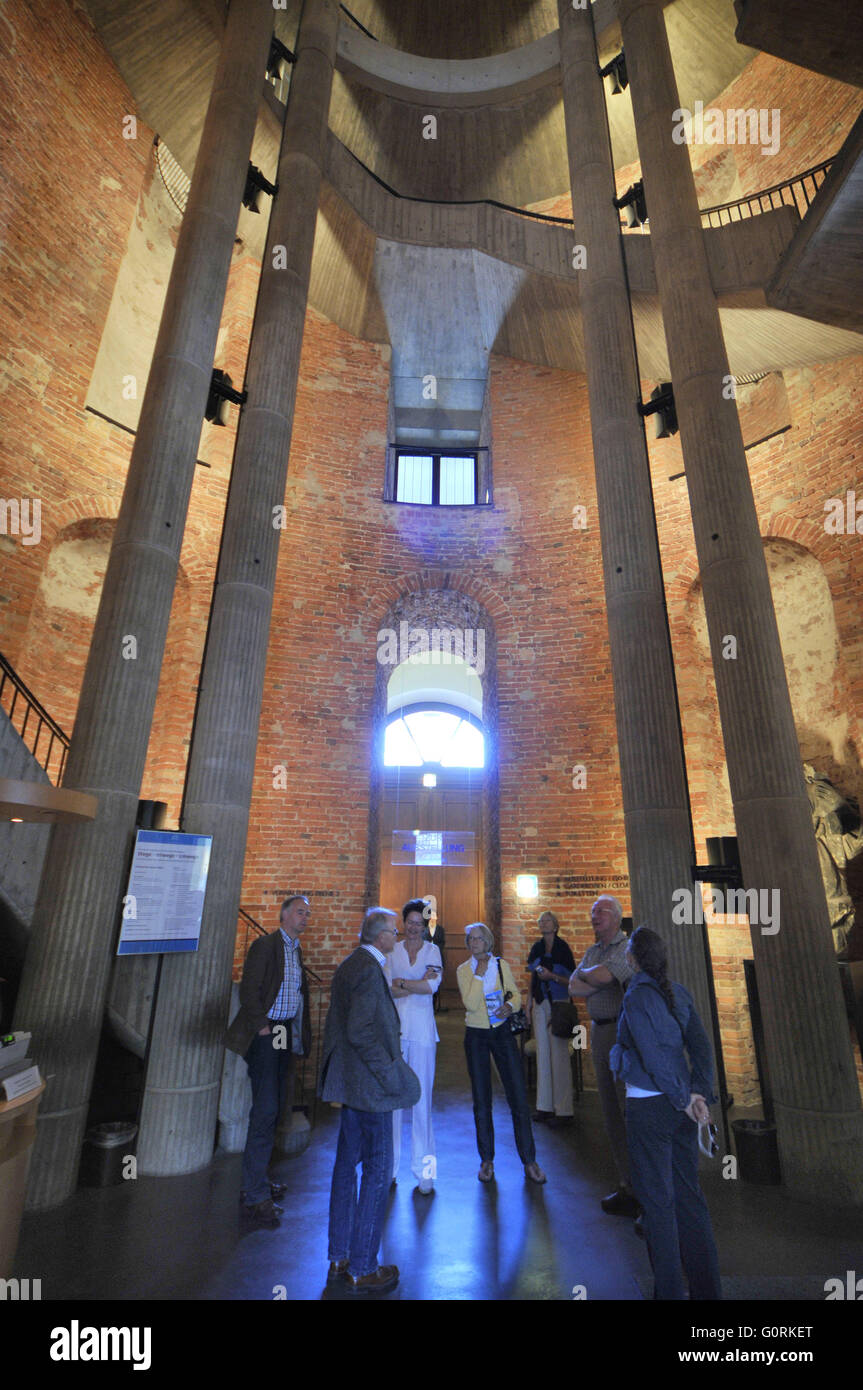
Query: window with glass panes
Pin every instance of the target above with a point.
(436, 478)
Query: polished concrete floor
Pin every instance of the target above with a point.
(180, 1238)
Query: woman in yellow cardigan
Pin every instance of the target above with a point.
(489, 1000)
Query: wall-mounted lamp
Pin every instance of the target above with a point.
(280, 57)
(256, 187)
(221, 392)
(616, 70)
(633, 204)
(527, 886)
(661, 405)
(429, 779)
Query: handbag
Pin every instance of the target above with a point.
(517, 1021)
(564, 1018)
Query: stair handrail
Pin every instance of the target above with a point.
(787, 185)
(719, 216)
(33, 706)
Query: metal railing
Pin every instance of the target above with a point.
(352, 17)
(797, 192)
(177, 183)
(17, 699)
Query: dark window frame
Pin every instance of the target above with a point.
(417, 451)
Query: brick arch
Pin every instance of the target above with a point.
(784, 526)
(422, 581)
(92, 506)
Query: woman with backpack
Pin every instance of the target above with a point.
(667, 1096)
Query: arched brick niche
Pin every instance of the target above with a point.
(435, 604)
(57, 640)
(57, 643)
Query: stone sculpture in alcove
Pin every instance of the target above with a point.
(839, 837)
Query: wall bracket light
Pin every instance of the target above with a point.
(616, 70)
(661, 404)
(256, 187)
(222, 391)
(633, 204)
(280, 57)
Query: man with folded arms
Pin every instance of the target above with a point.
(362, 1068)
(601, 978)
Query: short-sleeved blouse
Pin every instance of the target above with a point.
(416, 1011)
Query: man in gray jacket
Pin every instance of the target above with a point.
(362, 1068)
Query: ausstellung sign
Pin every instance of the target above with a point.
(165, 900)
(428, 848)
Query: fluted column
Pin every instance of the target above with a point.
(180, 1107)
(653, 776)
(65, 979)
(816, 1098)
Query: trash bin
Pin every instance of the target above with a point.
(757, 1151)
(105, 1147)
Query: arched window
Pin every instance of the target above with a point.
(433, 736)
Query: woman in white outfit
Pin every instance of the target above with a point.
(415, 970)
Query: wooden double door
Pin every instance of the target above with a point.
(458, 889)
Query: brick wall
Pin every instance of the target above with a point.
(793, 474)
(816, 114)
(346, 558)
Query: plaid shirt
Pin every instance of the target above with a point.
(606, 1002)
(287, 1001)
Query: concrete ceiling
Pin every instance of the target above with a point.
(166, 50)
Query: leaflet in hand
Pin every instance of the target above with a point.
(494, 1002)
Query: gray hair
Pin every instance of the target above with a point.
(551, 917)
(615, 905)
(376, 920)
(486, 934)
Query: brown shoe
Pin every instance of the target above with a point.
(337, 1271)
(264, 1213)
(535, 1173)
(486, 1171)
(381, 1280)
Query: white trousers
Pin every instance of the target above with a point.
(553, 1067)
(420, 1057)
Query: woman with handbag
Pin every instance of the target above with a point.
(493, 1007)
(553, 1016)
(667, 1110)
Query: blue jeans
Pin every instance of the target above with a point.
(480, 1045)
(269, 1072)
(365, 1137)
(663, 1158)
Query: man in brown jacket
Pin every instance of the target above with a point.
(272, 1024)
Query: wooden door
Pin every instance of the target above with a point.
(458, 889)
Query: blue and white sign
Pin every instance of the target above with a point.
(427, 848)
(164, 904)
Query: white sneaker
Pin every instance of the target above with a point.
(426, 1186)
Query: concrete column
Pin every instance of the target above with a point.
(653, 776)
(180, 1108)
(818, 1113)
(66, 973)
